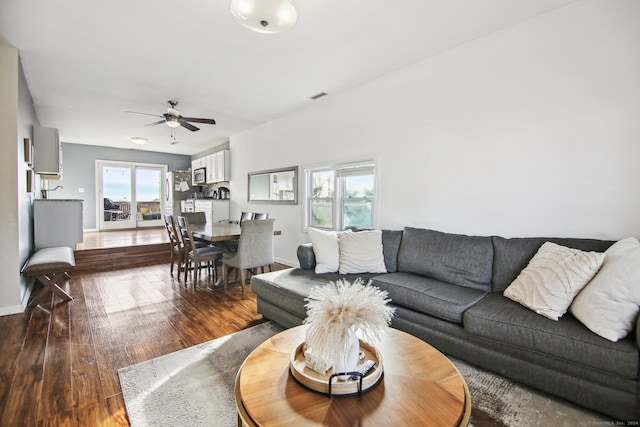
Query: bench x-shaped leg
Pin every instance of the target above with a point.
(53, 280)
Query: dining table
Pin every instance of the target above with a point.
(219, 231)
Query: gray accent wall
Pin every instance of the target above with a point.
(79, 162)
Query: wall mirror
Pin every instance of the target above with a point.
(274, 186)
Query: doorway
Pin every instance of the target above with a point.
(129, 194)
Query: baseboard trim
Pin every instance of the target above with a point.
(12, 309)
(286, 262)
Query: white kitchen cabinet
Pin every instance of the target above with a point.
(210, 164)
(57, 222)
(186, 205)
(216, 166)
(215, 210)
(47, 152)
(222, 161)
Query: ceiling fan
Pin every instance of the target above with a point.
(173, 118)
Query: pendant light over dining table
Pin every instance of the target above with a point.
(264, 16)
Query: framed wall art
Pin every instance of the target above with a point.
(30, 181)
(28, 152)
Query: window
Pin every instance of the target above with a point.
(341, 196)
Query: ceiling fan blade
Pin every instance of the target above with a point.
(196, 120)
(156, 123)
(189, 126)
(146, 114)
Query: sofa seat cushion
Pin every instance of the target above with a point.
(288, 288)
(428, 296)
(500, 319)
(453, 258)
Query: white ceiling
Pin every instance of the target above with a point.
(87, 62)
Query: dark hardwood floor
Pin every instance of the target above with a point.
(59, 361)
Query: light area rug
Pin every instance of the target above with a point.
(195, 387)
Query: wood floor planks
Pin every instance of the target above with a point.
(60, 360)
(57, 395)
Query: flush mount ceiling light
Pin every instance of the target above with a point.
(264, 16)
(139, 140)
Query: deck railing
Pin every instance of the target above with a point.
(146, 211)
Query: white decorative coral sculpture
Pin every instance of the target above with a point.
(337, 311)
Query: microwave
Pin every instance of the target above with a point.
(199, 176)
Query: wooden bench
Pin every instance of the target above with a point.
(50, 266)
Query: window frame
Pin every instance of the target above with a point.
(310, 198)
(339, 199)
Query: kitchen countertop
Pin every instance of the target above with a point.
(58, 200)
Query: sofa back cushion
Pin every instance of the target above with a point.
(452, 258)
(306, 256)
(390, 244)
(511, 256)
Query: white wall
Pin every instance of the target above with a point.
(26, 120)
(9, 220)
(531, 131)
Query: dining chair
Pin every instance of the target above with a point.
(196, 218)
(177, 248)
(261, 216)
(245, 216)
(255, 249)
(195, 255)
(232, 245)
(183, 231)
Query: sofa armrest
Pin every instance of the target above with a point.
(306, 257)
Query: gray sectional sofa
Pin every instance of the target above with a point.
(447, 290)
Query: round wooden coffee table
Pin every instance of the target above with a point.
(420, 386)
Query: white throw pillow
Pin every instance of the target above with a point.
(553, 277)
(361, 252)
(325, 249)
(608, 305)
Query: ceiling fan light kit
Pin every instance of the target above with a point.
(264, 16)
(173, 119)
(139, 140)
(173, 122)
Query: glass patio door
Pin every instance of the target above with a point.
(149, 182)
(129, 195)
